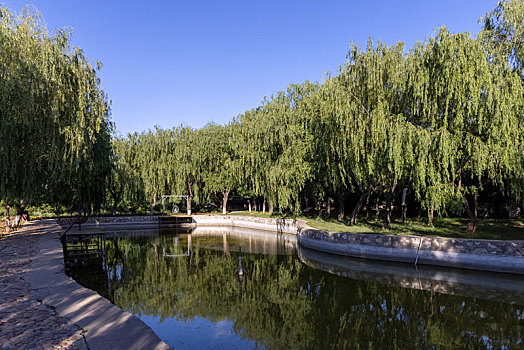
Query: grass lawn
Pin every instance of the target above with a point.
(443, 227)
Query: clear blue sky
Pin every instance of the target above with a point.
(191, 62)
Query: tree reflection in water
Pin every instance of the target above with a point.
(282, 303)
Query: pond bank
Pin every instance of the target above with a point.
(475, 254)
(25, 322)
(485, 255)
(62, 313)
(94, 322)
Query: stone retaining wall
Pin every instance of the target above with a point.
(488, 255)
(291, 226)
(97, 220)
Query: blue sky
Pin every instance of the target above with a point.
(193, 62)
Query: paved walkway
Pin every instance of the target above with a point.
(42, 308)
(25, 322)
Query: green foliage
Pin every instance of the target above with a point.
(222, 169)
(444, 120)
(187, 162)
(504, 32)
(277, 145)
(54, 118)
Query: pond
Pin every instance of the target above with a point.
(186, 288)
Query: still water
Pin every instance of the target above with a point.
(186, 288)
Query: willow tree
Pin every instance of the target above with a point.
(504, 38)
(277, 148)
(504, 32)
(252, 178)
(186, 163)
(54, 118)
(366, 133)
(125, 183)
(222, 170)
(153, 162)
(471, 106)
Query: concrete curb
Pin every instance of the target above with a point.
(105, 325)
(352, 245)
(499, 256)
(291, 226)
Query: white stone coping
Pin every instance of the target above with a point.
(291, 226)
(412, 253)
(105, 325)
(486, 255)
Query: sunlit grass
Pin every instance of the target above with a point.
(443, 227)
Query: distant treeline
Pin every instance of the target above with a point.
(437, 128)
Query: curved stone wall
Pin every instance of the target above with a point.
(486, 255)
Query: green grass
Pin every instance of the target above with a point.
(443, 227)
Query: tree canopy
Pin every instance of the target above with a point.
(440, 122)
(54, 117)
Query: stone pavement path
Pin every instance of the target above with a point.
(26, 323)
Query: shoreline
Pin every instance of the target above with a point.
(103, 325)
(505, 256)
(95, 323)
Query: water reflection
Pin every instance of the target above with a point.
(283, 303)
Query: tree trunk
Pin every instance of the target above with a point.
(57, 210)
(249, 205)
(189, 204)
(189, 197)
(270, 210)
(225, 194)
(367, 205)
(7, 219)
(116, 200)
(341, 205)
(328, 208)
(430, 216)
(404, 205)
(475, 204)
(377, 209)
(473, 224)
(153, 204)
(360, 204)
(264, 205)
(387, 212)
(115, 204)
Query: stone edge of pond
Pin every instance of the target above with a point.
(104, 325)
(290, 226)
(485, 255)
